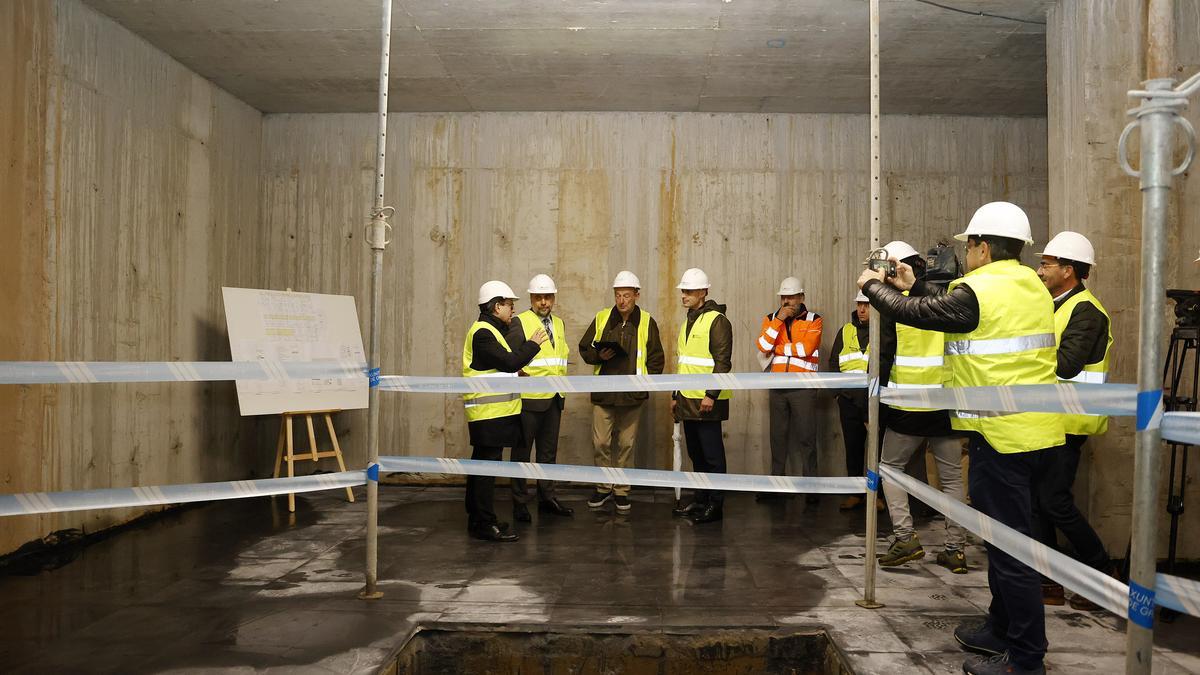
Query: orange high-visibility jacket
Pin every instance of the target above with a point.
(796, 349)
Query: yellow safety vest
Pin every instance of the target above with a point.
(643, 336)
(693, 354)
(920, 361)
(486, 406)
(1092, 373)
(551, 359)
(853, 358)
(1013, 344)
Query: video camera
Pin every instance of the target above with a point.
(1187, 307)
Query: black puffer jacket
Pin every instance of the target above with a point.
(1083, 340)
(927, 306)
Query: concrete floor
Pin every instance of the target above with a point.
(243, 585)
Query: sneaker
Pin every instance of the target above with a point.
(1053, 594)
(954, 560)
(623, 503)
(902, 551)
(997, 665)
(598, 498)
(977, 636)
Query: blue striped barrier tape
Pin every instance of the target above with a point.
(582, 384)
(1091, 399)
(91, 372)
(644, 477)
(1182, 427)
(29, 503)
(1093, 584)
(1177, 593)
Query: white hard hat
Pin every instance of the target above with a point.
(1197, 259)
(693, 279)
(1072, 246)
(541, 284)
(900, 250)
(627, 279)
(495, 289)
(999, 219)
(861, 298)
(790, 286)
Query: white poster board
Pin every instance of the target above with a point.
(285, 326)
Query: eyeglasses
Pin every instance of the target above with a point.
(1046, 264)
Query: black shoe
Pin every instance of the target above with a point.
(492, 532)
(997, 665)
(521, 513)
(711, 513)
(598, 498)
(682, 511)
(623, 503)
(556, 507)
(977, 636)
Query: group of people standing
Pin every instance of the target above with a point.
(999, 324)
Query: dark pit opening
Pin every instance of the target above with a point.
(507, 651)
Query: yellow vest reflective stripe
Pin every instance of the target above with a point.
(551, 359)
(1092, 373)
(1013, 344)
(920, 362)
(853, 358)
(694, 355)
(643, 336)
(486, 406)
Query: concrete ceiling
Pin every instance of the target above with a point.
(631, 55)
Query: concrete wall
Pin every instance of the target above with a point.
(1096, 54)
(134, 197)
(749, 198)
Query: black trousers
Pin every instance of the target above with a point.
(854, 432)
(706, 449)
(540, 431)
(1001, 487)
(1054, 505)
(481, 489)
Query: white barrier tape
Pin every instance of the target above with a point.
(1177, 593)
(645, 477)
(616, 383)
(1181, 427)
(1092, 584)
(1092, 399)
(81, 500)
(72, 372)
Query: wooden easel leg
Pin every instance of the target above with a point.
(291, 461)
(337, 452)
(312, 438)
(278, 450)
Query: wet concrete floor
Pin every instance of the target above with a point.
(243, 585)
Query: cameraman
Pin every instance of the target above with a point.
(999, 325)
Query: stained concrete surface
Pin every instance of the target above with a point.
(236, 586)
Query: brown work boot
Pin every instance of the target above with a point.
(1053, 594)
(851, 502)
(1083, 604)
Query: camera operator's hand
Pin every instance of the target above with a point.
(869, 274)
(905, 278)
(785, 312)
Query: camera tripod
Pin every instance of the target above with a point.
(1180, 381)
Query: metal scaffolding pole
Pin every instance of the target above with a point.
(377, 241)
(868, 599)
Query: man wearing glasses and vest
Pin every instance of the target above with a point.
(493, 420)
(999, 326)
(1084, 336)
(616, 414)
(541, 413)
(705, 346)
(790, 341)
(911, 358)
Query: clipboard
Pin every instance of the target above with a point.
(608, 344)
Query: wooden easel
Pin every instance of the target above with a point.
(285, 438)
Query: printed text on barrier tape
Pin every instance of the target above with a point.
(1149, 409)
(872, 481)
(642, 477)
(1141, 605)
(373, 377)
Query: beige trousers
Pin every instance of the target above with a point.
(621, 422)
